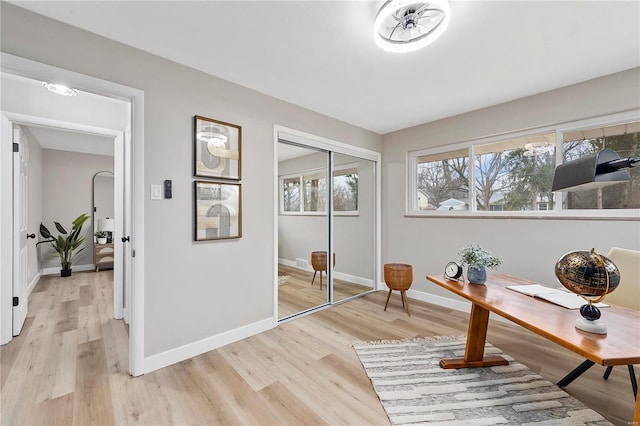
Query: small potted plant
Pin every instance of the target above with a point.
(478, 260)
(67, 244)
(101, 236)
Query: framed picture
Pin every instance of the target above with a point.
(217, 148)
(218, 210)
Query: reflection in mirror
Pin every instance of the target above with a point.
(102, 217)
(302, 228)
(353, 226)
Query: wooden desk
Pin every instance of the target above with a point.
(620, 346)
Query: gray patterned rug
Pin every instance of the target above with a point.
(413, 389)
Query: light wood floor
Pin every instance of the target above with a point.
(297, 294)
(69, 366)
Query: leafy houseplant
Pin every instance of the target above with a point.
(478, 260)
(67, 244)
(101, 236)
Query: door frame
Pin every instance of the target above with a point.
(135, 249)
(314, 141)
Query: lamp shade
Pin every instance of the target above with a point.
(106, 225)
(589, 172)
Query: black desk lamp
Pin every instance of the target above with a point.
(593, 171)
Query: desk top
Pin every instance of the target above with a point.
(620, 346)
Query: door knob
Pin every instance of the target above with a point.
(125, 239)
(31, 236)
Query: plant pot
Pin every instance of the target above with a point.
(65, 272)
(102, 240)
(477, 274)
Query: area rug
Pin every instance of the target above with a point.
(413, 388)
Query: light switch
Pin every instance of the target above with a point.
(156, 192)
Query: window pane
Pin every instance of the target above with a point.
(443, 181)
(623, 139)
(291, 194)
(315, 193)
(345, 190)
(515, 174)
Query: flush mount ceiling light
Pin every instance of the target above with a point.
(60, 89)
(405, 25)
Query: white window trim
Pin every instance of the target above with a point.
(301, 176)
(411, 207)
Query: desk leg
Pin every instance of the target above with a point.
(476, 337)
(636, 412)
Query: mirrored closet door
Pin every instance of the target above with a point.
(326, 227)
(353, 226)
(303, 236)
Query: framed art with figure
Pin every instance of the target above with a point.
(218, 210)
(217, 148)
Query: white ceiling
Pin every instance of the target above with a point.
(51, 138)
(321, 55)
(27, 96)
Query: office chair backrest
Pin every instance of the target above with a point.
(628, 292)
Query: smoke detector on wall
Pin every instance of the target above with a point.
(405, 25)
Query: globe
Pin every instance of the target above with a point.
(584, 273)
(591, 276)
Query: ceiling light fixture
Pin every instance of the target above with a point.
(60, 89)
(406, 25)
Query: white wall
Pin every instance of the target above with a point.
(530, 247)
(66, 194)
(193, 290)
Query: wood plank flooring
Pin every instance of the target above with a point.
(297, 294)
(68, 366)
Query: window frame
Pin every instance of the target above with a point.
(411, 201)
(300, 175)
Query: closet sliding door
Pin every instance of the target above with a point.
(353, 225)
(327, 225)
(303, 228)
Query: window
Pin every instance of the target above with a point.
(345, 190)
(443, 181)
(515, 173)
(315, 191)
(312, 187)
(291, 194)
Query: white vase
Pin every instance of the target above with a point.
(102, 240)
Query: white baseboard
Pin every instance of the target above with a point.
(339, 275)
(77, 268)
(33, 284)
(458, 305)
(190, 350)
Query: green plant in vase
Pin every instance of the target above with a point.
(101, 236)
(66, 245)
(478, 259)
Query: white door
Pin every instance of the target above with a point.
(118, 260)
(20, 162)
(127, 226)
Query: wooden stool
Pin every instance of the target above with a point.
(319, 263)
(398, 276)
